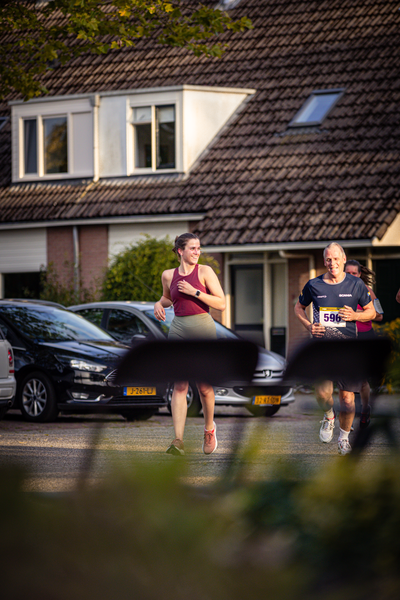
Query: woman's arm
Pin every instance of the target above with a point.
(216, 297)
(165, 300)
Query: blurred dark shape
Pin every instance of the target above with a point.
(351, 360)
(215, 362)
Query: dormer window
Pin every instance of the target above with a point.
(316, 108)
(52, 139)
(144, 132)
(154, 137)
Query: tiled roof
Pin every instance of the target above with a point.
(257, 183)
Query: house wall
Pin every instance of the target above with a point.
(22, 250)
(93, 253)
(93, 246)
(122, 235)
(60, 252)
(298, 275)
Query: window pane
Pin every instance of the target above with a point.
(55, 145)
(165, 137)
(316, 108)
(123, 325)
(94, 315)
(30, 146)
(142, 114)
(143, 146)
(248, 296)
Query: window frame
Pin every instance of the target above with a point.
(39, 110)
(338, 91)
(153, 105)
(40, 146)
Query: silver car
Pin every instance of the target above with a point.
(7, 378)
(129, 322)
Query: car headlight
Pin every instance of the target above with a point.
(85, 365)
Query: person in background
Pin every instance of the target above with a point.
(364, 330)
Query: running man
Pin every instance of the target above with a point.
(335, 296)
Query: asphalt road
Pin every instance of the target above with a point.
(55, 455)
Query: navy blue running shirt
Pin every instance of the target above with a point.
(328, 298)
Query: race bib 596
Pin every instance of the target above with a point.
(329, 317)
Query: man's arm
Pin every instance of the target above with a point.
(316, 329)
(398, 296)
(368, 313)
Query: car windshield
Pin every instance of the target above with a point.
(52, 324)
(222, 332)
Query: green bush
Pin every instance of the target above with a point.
(135, 273)
(392, 330)
(64, 292)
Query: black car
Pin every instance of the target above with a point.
(65, 363)
(129, 322)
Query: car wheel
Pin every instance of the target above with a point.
(262, 411)
(37, 399)
(193, 400)
(139, 414)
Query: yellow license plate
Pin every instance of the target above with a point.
(139, 391)
(267, 400)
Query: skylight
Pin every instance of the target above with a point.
(316, 107)
(227, 4)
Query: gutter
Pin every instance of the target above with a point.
(275, 247)
(143, 219)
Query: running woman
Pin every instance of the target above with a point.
(364, 330)
(193, 289)
(335, 296)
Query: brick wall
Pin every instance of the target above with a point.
(93, 247)
(60, 252)
(298, 274)
(93, 253)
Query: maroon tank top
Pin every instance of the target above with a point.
(185, 305)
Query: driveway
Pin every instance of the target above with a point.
(57, 455)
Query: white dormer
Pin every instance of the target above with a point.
(117, 134)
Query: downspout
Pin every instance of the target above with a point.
(75, 238)
(95, 102)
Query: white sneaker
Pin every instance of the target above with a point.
(326, 429)
(344, 447)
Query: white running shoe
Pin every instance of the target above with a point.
(326, 429)
(344, 447)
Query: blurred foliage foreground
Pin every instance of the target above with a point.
(392, 330)
(145, 535)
